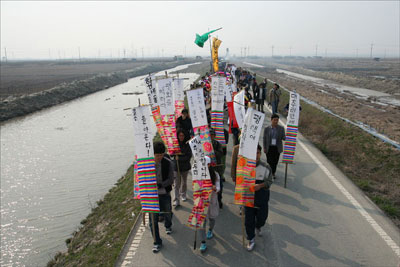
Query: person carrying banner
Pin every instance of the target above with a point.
(274, 134)
(165, 178)
(213, 209)
(182, 167)
(274, 96)
(218, 156)
(184, 122)
(255, 217)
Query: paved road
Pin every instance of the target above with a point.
(320, 219)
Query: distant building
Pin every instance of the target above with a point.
(377, 59)
(199, 57)
(179, 57)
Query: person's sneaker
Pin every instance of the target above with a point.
(210, 234)
(203, 247)
(168, 231)
(176, 203)
(156, 248)
(183, 199)
(258, 232)
(250, 245)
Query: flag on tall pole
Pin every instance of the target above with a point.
(201, 39)
(214, 52)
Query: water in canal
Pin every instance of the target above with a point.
(55, 165)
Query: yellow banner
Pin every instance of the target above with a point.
(214, 51)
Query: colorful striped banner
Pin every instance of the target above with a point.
(146, 170)
(136, 193)
(157, 119)
(169, 128)
(201, 201)
(290, 144)
(205, 138)
(245, 181)
(217, 123)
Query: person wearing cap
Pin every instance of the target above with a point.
(213, 209)
(255, 217)
(165, 178)
(184, 122)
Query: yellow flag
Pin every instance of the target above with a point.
(214, 51)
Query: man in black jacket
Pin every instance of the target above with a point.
(165, 178)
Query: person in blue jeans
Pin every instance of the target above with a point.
(165, 179)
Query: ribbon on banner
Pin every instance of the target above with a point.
(289, 148)
(146, 171)
(217, 107)
(238, 107)
(205, 138)
(179, 97)
(202, 185)
(167, 110)
(246, 165)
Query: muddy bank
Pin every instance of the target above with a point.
(20, 106)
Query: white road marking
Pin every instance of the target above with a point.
(135, 243)
(389, 241)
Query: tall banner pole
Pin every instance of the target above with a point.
(286, 173)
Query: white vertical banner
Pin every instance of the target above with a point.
(151, 90)
(229, 89)
(294, 109)
(143, 132)
(166, 97)
(197, 107)
(239, 108)
(178, 89)
(217, 92)
(199, 168)
(251, 133)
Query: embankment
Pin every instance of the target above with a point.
(11, 108)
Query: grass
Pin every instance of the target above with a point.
(372, 165)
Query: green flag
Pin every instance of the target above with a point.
(201, 39)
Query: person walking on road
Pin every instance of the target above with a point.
(165, 178)
(260, 97)
(274, 96)
(274, 134)
(255, 217)
(184, 122)
(182, 167)
(213, 209)
(219, 153)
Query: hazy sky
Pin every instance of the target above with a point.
(34, 29)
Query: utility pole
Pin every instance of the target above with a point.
(142, 52)
(372, 45)
(241, 52)
(124, 53)
(316, 50)
(272, 53)
(79, 53)
(5, 53)
(248, 51)
(162, 53)
(245, 54)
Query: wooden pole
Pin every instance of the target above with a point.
(144, 218)
(286, 173)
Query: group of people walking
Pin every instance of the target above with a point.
(172, 171)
